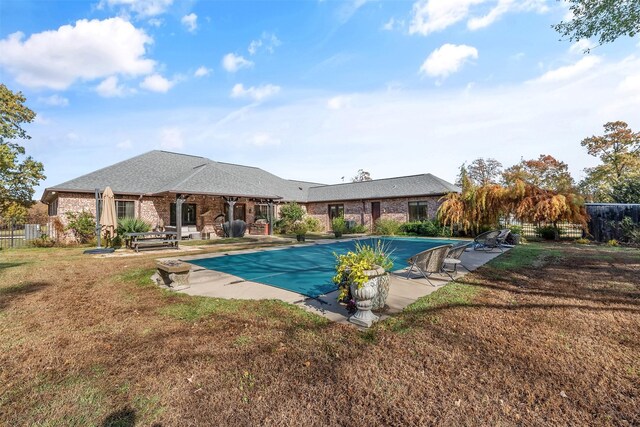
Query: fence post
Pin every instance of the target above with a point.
(11, 225)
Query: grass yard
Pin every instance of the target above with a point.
(547, 334)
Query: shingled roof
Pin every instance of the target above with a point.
(158, 172)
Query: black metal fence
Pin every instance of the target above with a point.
(604, 224)
(567, 229)
(20, 235)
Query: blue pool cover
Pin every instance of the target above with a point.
(308, 270)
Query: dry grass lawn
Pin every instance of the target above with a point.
(544, 335)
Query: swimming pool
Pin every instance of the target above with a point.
(308, 270)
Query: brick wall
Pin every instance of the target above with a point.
(397, 209)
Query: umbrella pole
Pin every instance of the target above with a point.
(98, 228)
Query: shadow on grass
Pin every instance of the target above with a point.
(7, 294)
(125, 417)
(4, 265)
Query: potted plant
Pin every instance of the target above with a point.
(360, 274)
(300, 230)
(339, 226)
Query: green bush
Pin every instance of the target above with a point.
(292, 212)
(549, 232)
(43, 242)
(387, 227)
(132, 225)
(82, 224)
(515, 229)
(358, 228)
(422, 228)
(629, 230)
(613, 242)
(313, 224)
(338, 225)
(299, 228)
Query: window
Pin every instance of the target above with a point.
(125, 209)
(53, 208)
(336, 211)
(188, 214)
(418, 211)
(262, 211)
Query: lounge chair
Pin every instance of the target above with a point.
(429, 262)
(452, 261)
(490, 240)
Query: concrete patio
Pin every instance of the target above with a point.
(402, 291)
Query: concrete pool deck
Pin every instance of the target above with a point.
(402, 292)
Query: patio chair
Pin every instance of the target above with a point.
(452, 260)
(429, 262)
(490, 240)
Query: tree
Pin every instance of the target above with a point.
(19, 174)
(362, 175)
(627, 191)
(484, 171)
(546, 172)
(619, 151)
(606, 19)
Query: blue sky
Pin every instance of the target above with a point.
(311, 90)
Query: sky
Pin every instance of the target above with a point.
(311, 90)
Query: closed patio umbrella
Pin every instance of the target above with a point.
(108, 218)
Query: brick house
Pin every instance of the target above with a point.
(155, 185)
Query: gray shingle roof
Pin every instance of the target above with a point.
(404, 186)
(158, 172)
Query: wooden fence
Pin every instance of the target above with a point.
(604, 224)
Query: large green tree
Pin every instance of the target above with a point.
(481, 172)
(19, 173)
(605, 19)
(619, 151)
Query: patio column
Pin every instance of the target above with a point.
(270, 217)
(230, 211)
(179, 201)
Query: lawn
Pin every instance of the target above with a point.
(547, 334)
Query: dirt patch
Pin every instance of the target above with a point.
(88, 341)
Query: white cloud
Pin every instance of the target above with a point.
(448, 59)
(55, 101)
(124, 145)
(109, 88)
(264, 139)
(156, 83)
(436, 15)
(630, 84)
(87, 51)
(171, 139)
(202, 72)
(256, 93)
(232, 62)
(190, 21)
(429, 16)
(142, 8)
(388, 26)
(339, 102)
(268, 42)
(581, 46)
(569, 71)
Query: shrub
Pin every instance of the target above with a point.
(387, 227)
(515, 229)
(423, 228)
(116, 242)
(299, 228)
(82, 224)
(630, 232)
(338, 225)
(350, 267)
(291, 212)
(549, 232)
(582, 241)
(313, 224)
(43, 242)
(358, 228)
(132, 225)
(613, 242)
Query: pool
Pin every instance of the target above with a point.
(308, 270)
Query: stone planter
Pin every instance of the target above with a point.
(174, 274)
(364, 296)
(380, 300)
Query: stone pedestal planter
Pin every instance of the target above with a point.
(380, 300)
(174, 274)
(364, 296)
